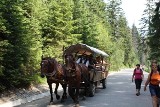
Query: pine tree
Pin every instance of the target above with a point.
(154, 37)
(21, 58)
(57, 28)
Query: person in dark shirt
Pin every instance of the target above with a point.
(91, 61)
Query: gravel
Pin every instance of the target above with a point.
(12, 95)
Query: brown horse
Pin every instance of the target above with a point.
(54, 73)
(76, 74)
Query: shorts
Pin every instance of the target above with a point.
(154, 90)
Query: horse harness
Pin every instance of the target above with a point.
(53, 73)
(73, 70)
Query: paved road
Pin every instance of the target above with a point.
(120, 92)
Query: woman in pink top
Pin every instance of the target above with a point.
(138, 77)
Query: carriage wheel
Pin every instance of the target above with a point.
(104, 83)
(92, 90)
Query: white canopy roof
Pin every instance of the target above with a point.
(84, 49)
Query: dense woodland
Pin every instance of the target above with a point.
(32, 28)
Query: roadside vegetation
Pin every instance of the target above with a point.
(32, 28)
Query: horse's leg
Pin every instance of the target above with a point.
(77, 97)
(85, 92)
(71, 92)
(64, 96)
(55, 91)
(51, 91)
(86, 84)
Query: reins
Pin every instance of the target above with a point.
(72, 70)
(54, 72)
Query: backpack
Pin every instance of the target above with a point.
(140, 70)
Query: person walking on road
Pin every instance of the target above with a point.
(138, 78)
(154, 80)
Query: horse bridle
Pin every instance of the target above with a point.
(72, 71)
(52, 73)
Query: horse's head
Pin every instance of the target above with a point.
(69, 62)
(45, 66)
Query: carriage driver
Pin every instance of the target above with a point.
(91, 62)
(81, 59)
(87, 60)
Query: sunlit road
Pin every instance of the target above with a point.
(120, 92)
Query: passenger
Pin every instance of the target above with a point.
(98, 60)
(81, 59)
(87, 61)
(100, 63)
(91, 62)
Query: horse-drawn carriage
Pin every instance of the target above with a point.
(85, 73)
(98, 70)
